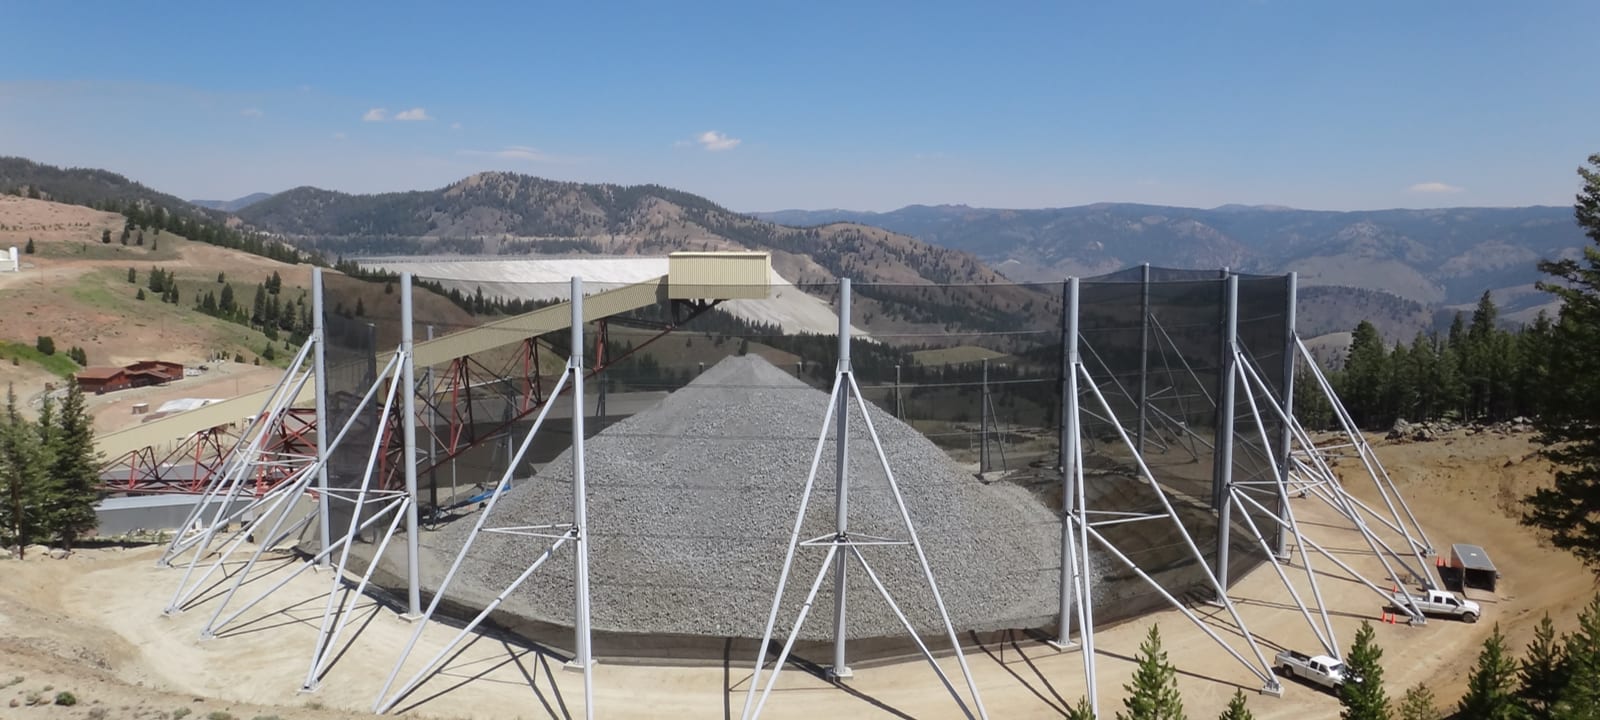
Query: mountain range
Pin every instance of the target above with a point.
(510, 214)
(1407, 270)
(1441, 258)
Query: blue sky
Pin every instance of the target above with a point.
(865, 105)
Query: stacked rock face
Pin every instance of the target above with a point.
(691, 504)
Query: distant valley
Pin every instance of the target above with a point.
(234, 205)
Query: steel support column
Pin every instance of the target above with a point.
(1286, 443)
(841, 509)
(319, 364)
(408, 455)
(1144, 352)
(1223, 485)
(580, 512)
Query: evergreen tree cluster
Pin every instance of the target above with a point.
(1555, 679)
(49, 473)
(1476, 372)
(270, 312)
(142, 216)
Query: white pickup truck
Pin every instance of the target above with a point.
(1442, 603)
(1317, 669)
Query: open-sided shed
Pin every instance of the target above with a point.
(1472, 566)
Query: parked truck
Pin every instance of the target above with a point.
(1441, 603)
(1320, 670)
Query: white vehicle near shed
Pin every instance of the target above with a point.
(1320, 670)
(1440, 603)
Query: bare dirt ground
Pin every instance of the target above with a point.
(225, 379)
(92, 624)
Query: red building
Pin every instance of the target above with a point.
(100, 380)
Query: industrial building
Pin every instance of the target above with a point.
(100, 380)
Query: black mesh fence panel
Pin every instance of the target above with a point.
(974, 371)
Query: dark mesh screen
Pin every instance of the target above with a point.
(975, 369)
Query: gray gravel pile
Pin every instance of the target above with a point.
(691, 504)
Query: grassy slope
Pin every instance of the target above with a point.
(58, 364)
(108, 290)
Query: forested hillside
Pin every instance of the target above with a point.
(90, 187)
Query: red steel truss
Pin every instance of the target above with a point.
(448, 408)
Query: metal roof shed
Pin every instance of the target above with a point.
(1474, 565)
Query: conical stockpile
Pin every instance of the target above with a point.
(691, 504)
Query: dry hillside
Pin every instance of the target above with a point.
(75, 289)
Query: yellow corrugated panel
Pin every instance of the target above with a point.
(721, 275)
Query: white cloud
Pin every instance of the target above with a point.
(455, 126)
(716, 141)
(1433, 187)
(251, 112)
(412, 114)
(375, 115)
(515, 152)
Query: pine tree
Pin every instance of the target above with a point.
(1543, 673)
(1365, 374)
(75, 469)
(28, 249)
(1419, 704)
(258, 306)
(1236, 709)
(1153, 691)
(1081, 711)
(1364, 698)
(139, 295)
(221, 277)
(105, 237)
(1580, 698)
(23, 477)
(133, 276)
(1491, 684)
(1569, 429)
(49, 436)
